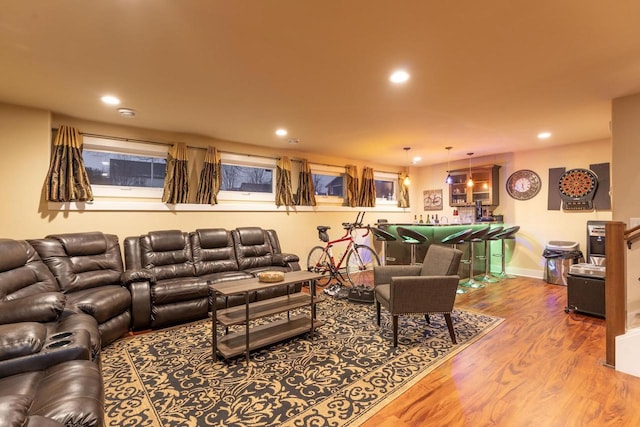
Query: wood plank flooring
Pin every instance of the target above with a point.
(541, 367)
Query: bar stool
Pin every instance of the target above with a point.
(475, 237)
(413, 238)
(454, 240)
(507, 233)
(487, 278)
(384, 237)
(457, 238)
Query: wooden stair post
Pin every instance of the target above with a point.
(615, 287)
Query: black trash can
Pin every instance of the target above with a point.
(559, 256)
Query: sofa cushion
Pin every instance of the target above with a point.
(182, 289)
(251, 236)
(21, 339)
(76, 269)
(166, 240)
(14, 254)
(167, 254)
(22, 272)
(103, 303)
(226, 276)
(213, 251)
(44, 307)
(71, 393)
(252, 249)
(82, 244)
(213, 238)
(14, 410)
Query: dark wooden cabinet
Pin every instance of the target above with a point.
(585, 295)
(486, 186)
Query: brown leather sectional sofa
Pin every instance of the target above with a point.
(64, 297)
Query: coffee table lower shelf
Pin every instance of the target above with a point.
(234, 344)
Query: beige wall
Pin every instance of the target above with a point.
(626, 181)
(538, 225)
(25, 142)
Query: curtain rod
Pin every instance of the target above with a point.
(168, 144)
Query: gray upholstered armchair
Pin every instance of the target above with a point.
(427, 288)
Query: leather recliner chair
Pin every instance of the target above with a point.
(47, 377)
(89, 270)
(29, 293)
(175, 294)
(259, 250)
(214, 259)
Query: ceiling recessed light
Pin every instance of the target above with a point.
(399, 76)
(416, 159)
(110, 99)
(127, 112)
(544, 135)
(281, 132)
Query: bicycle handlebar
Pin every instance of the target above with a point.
(356, 224)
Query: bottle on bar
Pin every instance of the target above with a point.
(421, 221)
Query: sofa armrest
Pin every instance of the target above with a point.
(284, 259)
(44, 307)
(140, 305)
(138, 275)
(26, 347)
(290, 261)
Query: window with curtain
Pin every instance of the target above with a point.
(210, 178)
(329, 184)
(284, 191)
(367, 197)
(125, 169)
(176, 183)
(67, 178)
(352, 185)
(247, 178)
(306, 186)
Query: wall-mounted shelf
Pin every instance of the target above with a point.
(485, 186)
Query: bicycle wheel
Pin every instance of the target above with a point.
(360, 262)
(318, 262)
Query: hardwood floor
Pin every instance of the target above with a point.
(540, 367)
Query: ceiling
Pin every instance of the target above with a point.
(486, 76)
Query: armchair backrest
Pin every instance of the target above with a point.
(22, 272)
(213, 251)
(252, 247)
(441, 261)
(82, 260)
(167, 254)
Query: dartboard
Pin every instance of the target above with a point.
(577, 188)
(578, 183)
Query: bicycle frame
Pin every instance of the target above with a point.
(347, 237)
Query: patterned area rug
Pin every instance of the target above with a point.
(347, 373)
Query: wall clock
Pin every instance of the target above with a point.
(577, 189)
(523, 184)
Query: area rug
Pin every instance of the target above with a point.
(349, 371)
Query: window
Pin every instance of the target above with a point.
(123, 168)
(385, 183)
(247, 178)
(329, 183)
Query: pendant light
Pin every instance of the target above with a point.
(406, 180)
(449, 179)
(470, 180)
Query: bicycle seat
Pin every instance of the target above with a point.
(346, 224)
(323, 228)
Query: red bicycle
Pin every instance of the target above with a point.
(358, 259)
